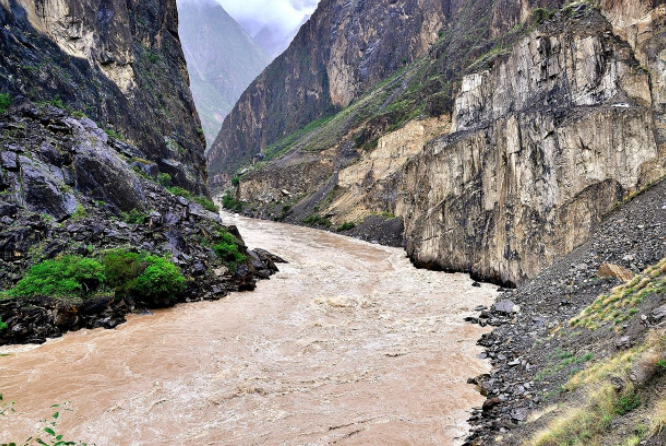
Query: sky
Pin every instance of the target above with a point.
(277, 14)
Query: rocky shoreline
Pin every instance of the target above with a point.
(534, 350)
(68, 187)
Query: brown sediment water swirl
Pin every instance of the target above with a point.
(349, 344)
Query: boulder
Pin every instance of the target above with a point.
(608, 270)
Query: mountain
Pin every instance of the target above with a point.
(221, 57)
(274, 40)
(344, 49)
(475, 139)
(120, 63)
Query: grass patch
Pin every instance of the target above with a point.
(79, 213)
(5, 102)
(206, 203)
(3, 326)
(179, 191)
(134, 217)
(601, 401)
(620, 304)
(113, 134)
(560, 360)
(346, 227)
(230, 203)
(285, 144)
(164, 179)
(318, 220)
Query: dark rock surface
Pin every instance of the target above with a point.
(119, 62)
(65, 185)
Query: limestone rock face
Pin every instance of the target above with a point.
(543, 144)
(118, 62)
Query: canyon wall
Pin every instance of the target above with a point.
(118, 62)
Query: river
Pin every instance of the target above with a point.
(349, 344)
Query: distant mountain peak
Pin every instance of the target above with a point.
(222, 59)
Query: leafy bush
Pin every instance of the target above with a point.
(318, 220)
(5, 102)
(122, 270)
(154, 280)
(164, 179)
(230, 203)
(134, 217)
(346, 227)
(227, 249)
(235, 181)
(3, 326)
(207, 203)
(161, 282)
(69, 276)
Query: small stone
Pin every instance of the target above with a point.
(519, 415)
(490, 403)
(476, 285)
(504, 307)
(624, 343)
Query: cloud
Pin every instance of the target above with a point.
(281, 14)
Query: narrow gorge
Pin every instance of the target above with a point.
(424, 222)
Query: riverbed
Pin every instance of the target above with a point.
(349, 344)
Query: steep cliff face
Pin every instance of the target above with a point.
(222, 60)
(500, 153)
(344, 49)
(118, 62)
(542, 145)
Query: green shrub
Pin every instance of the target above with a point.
(180, 192)
(318, 220)
(154, 280)
(627, 403)
(69, 276)
(161, 281)
(227, 249)
(113, 134)
(230, 203)
(541, 15)
(164, 179)
(5, 102)
(346, 227)
(3, 326)
(235, 181)
(80, 212)
(122, 270)
(134, 217)
(661, 366)
(207, 203)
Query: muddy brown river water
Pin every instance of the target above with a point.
(349, 344)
